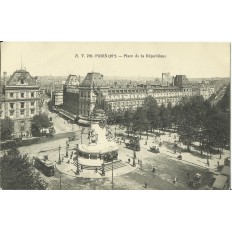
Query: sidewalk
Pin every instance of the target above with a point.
(187, 157)
(70, 170)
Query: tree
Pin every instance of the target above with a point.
(151, 108)
(224, 103)
(140, 121)
(39, 122)
(7, 128)
(165, 117)
(191, 119)
(18, 174)
(217, 128)
(177, 115)
(169, 112)
(128, 118)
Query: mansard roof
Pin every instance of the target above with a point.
(93, 79)
(21, 77)
(72, 80)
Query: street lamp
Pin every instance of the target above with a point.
(59, 161)
(67, 145)
(103, 165)
(134, 157)
(77, 171)
(112, 171)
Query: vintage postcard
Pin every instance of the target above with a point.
(114, 116)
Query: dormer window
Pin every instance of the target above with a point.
(22, 82)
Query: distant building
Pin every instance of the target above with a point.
(20, 101)
(166, 79)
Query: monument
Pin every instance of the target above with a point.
(100, 148)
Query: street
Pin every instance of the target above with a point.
(167, 166)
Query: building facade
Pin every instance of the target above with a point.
(20, 101)
(81, 98)
(71, 94)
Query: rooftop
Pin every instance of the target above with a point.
(93, 79)
(21, 77)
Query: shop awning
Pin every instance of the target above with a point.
(68, 114)
(220, 182)
(84, 122)
(225, 171)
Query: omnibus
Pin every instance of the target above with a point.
(45, 166)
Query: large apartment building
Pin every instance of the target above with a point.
(20, 101)
(80, 98)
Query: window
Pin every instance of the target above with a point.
(32, 111)
(11, 113)
(22, 105)
(32, 104)
(22, 95)
(11, 94)
(22, 126)
(12, 105)
(22, 82)
(22, 112)
(32, 94)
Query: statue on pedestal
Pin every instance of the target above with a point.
(92, 136)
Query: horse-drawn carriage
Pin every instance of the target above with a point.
(154, 149)
(133, 144)
(195, 181)
(73, 138)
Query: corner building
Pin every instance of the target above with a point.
(20, 101)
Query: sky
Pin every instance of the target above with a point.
(195, 60)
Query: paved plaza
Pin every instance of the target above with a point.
(166, 164)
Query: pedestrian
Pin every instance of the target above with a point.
(141, 165)
(96, 170)
(175, 180)
(138, 161)
(218, 164)
(153, 169)
(145, 184)
(128, 160)
(188, 175)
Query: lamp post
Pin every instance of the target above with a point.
(77, 171)
(103, 164)
(81, 136)
(59, 161)
(134, 157)
(67, 145)
(115, 130)
(112, 171)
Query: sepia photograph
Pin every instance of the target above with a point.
(115, 116)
